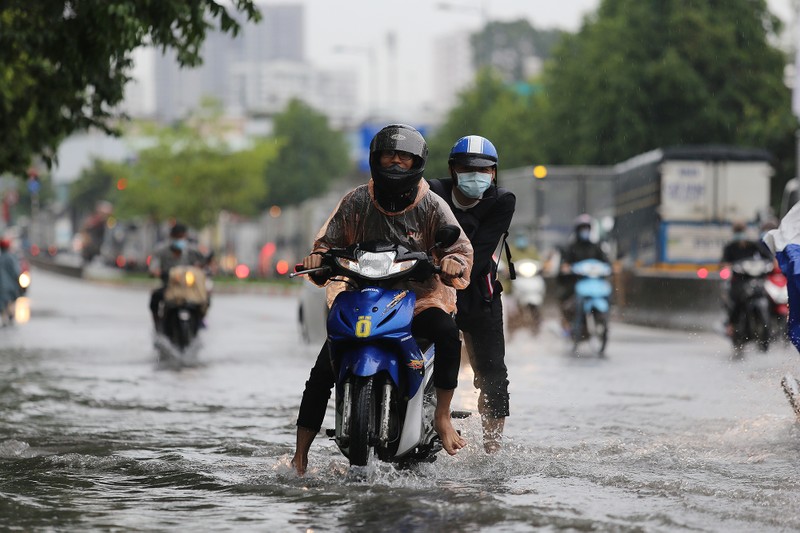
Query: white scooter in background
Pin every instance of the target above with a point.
(527, 291)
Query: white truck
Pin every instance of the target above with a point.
(674, 206)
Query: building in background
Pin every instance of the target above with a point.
(255, 74)
(453, 70)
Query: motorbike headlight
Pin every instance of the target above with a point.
(24, 280)
(189, 278)
(376, 265)
(527, 269)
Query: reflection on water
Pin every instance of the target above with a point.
(22, 310)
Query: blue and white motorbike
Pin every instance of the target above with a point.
(592, 293)
(385, 399)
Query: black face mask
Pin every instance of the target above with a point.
(394, 203)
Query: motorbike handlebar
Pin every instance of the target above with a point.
(298, 270)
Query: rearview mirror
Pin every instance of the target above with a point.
(447, 235)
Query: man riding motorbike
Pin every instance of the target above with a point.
(579, 249)
(176, 251)
(738, 248)
(395, 205)
(484, 211)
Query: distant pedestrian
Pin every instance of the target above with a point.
(9, 281)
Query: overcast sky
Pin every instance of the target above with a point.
(362, 25)
(365, 24)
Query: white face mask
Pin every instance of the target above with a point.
(473, 184)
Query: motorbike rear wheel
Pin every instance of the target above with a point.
(362, 424)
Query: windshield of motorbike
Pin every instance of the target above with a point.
(376, 265)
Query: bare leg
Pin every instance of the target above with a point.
(451, 440)
(492, 433)
(304, 439)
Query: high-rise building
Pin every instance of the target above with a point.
(257, 72)
(453, 70)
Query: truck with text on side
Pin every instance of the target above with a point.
(674, 206)
(673, 213)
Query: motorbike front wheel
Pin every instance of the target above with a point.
(761, 327)
(362, 424)
(600, 333)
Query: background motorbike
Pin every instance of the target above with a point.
(592, 293)
(385, 399)
(528, 291)
(184, 305)
(753, 320)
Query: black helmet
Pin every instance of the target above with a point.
(178, 230)
(395, 181)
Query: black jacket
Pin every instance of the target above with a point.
(485, 224)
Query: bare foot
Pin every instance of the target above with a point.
(451, 440)
(300, 463)
(492, 433)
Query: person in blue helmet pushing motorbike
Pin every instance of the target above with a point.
(484, 211)
(396, 205)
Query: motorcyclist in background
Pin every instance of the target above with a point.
(484, 211)
(580, 248)
(176, 251)
(9, 281)
(395, 205)
(738, 248)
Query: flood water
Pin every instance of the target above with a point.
(666, 434)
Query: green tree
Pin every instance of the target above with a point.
(646, 74)
(310, 156)
(191, 174)
(94, 184)
(493, 109)
(64, 63)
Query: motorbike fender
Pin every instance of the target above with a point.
(599, 304)
(593, 288)
(529, 291)
(411, 435)
(368, 360)
(760, 306)
(414, 423)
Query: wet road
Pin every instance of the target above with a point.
(665, 434)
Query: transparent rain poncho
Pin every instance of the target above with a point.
(358, 218)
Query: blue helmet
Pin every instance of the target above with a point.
(473, 151)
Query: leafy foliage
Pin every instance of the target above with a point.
(64, 63)
(94, 184)
(647, 74)
(310, 156)
(190, 174)
(493, 109)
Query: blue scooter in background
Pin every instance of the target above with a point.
(592, 293)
